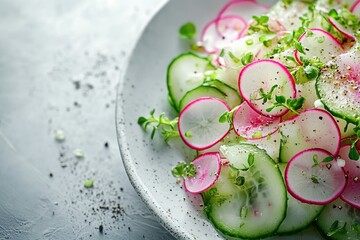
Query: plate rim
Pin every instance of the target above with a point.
(160, 214)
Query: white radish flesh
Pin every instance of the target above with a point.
(250, 124)
(351, 194)
(314, 181)
(265, 74)
(199, 123)
(208, 168)
(321, 44)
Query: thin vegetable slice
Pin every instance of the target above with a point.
(184, 73)
(351, 194)
(339, 86)
(266, 77)
(299, 215)
(355, 9)
(208, 168)
(313, 127)
(249, 198)
(244, 8)
(250, 124)
(313, 176)
(319, 43)
(220, 32)
(347, 32)
(199, 123)
(340, 221)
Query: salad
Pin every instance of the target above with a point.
(268, 109)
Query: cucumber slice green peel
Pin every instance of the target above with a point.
(338, 87)
(249, 198)
(185, 73)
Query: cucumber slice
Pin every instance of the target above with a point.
(228, 76)
(298, 215)
(340, 221)
(247, 203)
(338, 87)
(232, 98)
(184, 73)
(201, 91)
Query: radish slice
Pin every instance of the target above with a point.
(349, 140)
(313, 127)
(220, 32)
(244, 8)
(314, 181)
(208, 166)
(231, 27)
(199, 124)
(345, 31)
(355, 9)
(252, 125)
(321, 44)
(264, 74)
(351, 194)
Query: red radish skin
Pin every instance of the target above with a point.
(355, 9)
(220, 32)
(351, 194)
(202, 108)
(339, 48)
(256, 75)
(209, 36)
(231, 27)
(326, 139)
(247, 122)
(244, 8)
(314, 184)
(208, 166)
(349, 140)
(341, 29)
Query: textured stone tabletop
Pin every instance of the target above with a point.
(60, 63)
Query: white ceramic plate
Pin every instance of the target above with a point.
(148, 163)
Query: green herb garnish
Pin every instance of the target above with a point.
(188, 30)
(89, 183)
(184, 170)
(168, 127)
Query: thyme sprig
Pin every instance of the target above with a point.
(167, 126)
(292, 104)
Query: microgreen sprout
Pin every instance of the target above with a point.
(168, 127)
(188, 30)
(184, 170)
(335, 228)
(292, 104)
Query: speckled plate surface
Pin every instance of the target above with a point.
(143, 88)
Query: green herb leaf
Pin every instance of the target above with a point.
(328, 159)
(89, 183)
(280, 99)
(184, 170)
(233, 57)
(314, 179)
(188, 30)
(312, 72)
(224, 117)
(239, 180)
(245, 60)
(335, 228)
(251, 159)
(353, 153)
